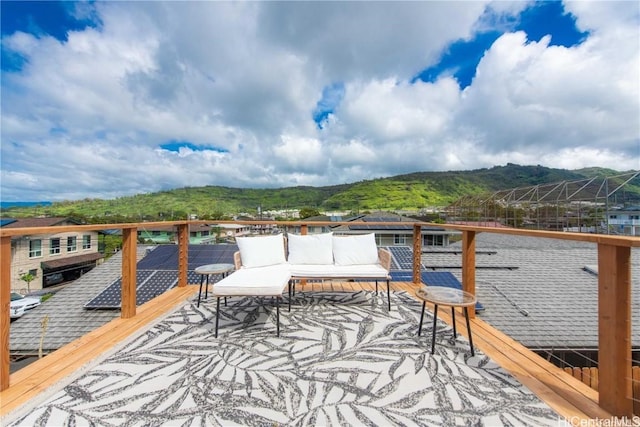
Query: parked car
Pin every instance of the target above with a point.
(21, 304)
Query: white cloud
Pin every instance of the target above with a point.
(299, 153)
(86, 118)
(541, 98)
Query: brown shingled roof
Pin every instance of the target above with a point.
(38, 222)
(79, 259)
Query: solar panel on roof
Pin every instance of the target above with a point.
(157, 283)
(5, 221)
(165, 257)
(360, 227)
(403, 257)
(433, 278)
(157, 272)
(111, 297)
(381, 219)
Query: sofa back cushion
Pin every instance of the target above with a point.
(310, 248)
(261, 251)
(355, 250)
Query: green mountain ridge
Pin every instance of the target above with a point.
(413, 191)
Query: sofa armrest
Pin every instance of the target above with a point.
(384, 258)
(237, 261)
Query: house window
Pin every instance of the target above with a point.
(399, 239)
(193, 234)
(613, 216)
(35, 248)
(54, 246)
(86, 241)
(205, 233)
(72, 244)
(34, 272)
(433, 240)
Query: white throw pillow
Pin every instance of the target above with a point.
(310, 249)
(261, 251)
(355, 250)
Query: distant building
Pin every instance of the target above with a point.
(167, 234)
(50, 258)
(624, 220)
(199, 234)
(230, 231)
(390, 229)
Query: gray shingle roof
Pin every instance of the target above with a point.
(68, 320)
(550, 284)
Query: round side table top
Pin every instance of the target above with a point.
(446, 296)
(214, 268)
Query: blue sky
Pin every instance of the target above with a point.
(133, 97)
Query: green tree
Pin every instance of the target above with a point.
(111, 244)
(28, 278)
(308, 212)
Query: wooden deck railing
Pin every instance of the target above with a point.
(614, 288)
(589, 376)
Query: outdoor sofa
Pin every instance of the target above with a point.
(266, 265)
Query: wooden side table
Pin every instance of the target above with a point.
(442, 295)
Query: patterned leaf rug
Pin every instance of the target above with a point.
(341, 359)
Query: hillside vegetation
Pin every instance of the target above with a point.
(413, 191)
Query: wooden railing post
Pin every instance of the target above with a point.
(5, 301)
(469, 264)
(614, 329)
(129, 261)
(183, 254)
(417, 254)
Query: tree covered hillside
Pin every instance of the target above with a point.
(413, 191)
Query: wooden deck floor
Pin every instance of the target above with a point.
(568, 396)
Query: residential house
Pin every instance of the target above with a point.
(50, 258)
(227, 232)
(397, 230)
(315, 229)
(199, 234)
(624, 220)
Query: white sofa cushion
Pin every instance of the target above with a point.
(269, 281)
(355, 250)
(261, 251)
(310, 249)
(308, 271)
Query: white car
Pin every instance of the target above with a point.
(21, 304)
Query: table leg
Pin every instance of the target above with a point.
(206, 291)
(421, 318)
(466, 315)
(217, 314)
(453, 319)
(433, 335)
(200, 290)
